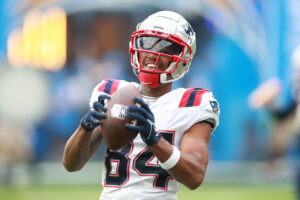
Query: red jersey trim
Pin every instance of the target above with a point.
(192, 97)
(109, 86)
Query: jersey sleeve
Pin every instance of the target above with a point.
(107, 86)
(200, 105)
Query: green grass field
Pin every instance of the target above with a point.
(205, 192)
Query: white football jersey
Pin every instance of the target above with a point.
(134, 172)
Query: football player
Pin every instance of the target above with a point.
(174, 125)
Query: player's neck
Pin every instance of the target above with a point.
(156, 91)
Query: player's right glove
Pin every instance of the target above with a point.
(94, 116)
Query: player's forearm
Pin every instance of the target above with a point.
(189, 170)
(77, 150)
(162, 150)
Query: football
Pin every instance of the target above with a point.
(113, 130)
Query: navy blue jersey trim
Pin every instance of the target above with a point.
(192, 96)
(108, 86)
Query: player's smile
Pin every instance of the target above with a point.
(148, 61)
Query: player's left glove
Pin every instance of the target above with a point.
(145, 122)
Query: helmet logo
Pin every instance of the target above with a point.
(188, 29)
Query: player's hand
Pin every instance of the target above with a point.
(94, 116)
(145, 122)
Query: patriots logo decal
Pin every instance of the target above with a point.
(215, 106)
(188, 29)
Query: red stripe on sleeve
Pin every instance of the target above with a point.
(102, 85)
(114, 86)
(185, 97)
(198, 97)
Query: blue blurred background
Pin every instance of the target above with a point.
(53, 52)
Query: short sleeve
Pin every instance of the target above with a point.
(107, 86)
(199, 105)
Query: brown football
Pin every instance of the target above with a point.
(113, 130)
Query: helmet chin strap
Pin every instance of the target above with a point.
(149, 79)
(153, 79)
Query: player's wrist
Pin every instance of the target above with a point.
(172, 160)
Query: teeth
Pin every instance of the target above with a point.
(150, 65)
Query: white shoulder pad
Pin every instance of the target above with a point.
(107, 86)
(210, 110)
(200, 105)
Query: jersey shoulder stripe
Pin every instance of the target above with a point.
(109, 86)
(192, 97)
